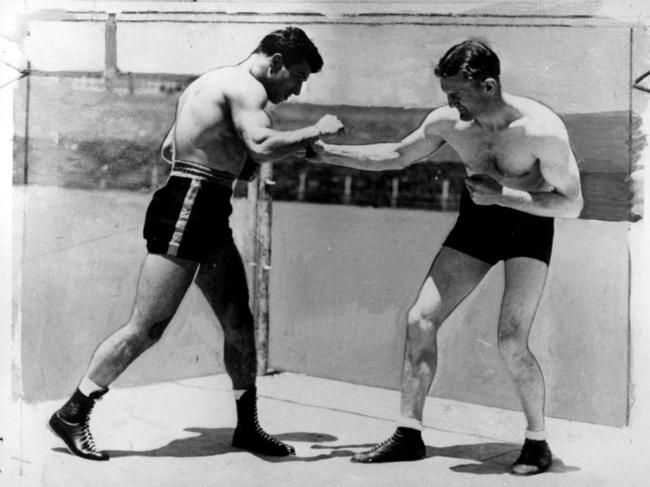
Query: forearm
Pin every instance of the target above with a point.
(373, 157)
(542, 203)
(278, 145)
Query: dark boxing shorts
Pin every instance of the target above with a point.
(188, 217)
(493, 233)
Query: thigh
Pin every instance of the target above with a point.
(162, 285)
(222, 280)
(452, 277)
(525, 278)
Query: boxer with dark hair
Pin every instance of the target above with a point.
(221, 133)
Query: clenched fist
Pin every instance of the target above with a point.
(329, 125)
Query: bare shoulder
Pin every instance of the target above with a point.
(241, 87)
(539, 120)
(226, 84)
(440, 119)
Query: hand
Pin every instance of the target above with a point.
(312, 152)
(483, 189)
(329, 125)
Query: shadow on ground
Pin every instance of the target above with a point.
(217, 441)
(487, 458)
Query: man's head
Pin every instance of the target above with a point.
(292, 58)
(469, 75)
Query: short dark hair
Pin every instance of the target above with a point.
(472, 58)
(295, 47)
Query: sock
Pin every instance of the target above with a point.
(535, 435)
(87, 387)
(411, 423)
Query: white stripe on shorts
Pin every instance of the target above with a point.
(183, 217)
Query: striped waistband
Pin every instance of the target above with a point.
(187, 169)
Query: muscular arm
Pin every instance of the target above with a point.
(383, 156)
(559, 169)
(265, 144)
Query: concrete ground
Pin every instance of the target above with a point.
(178, 434)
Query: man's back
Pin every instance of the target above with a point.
(204, 132)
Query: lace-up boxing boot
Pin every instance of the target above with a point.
(71, 424)
(406, 444)
(249, 435)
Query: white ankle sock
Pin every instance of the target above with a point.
(412, 423)
(87, 386)
(535, 435)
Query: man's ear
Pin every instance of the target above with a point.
(490, 85)
(276, 63)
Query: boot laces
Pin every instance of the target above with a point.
(388, 440)
(88, 439)
(260, 431)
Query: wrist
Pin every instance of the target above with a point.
(315, 132)
(517, 194)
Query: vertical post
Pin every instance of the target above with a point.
(347, 190)
(251, 251)
(264, 221)
(153, 182)
(28, 90)
(444, 195)
(395, 192)
(302, 185)
(110, 48)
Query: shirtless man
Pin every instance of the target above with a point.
(221, 133)
(521, 174)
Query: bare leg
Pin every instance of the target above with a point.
(161, 287)
(524, 284)
(222, 280)
(525, 278)
(452, 277)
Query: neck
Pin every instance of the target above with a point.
(497, 115)
(256, 65)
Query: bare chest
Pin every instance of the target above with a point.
(505, 156)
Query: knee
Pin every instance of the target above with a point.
(421, 324)
(512, 342)
(238, 322)
(143, 337)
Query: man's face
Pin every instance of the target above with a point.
(285, 81)
(465, 95)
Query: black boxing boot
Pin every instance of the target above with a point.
(406, 444)
(249, 435)
(71, 424)
(535, 458)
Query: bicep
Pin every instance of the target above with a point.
(421, 142)
(559, 167)
(251, 121)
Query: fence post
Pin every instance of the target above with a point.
(302, 185)
(251, 243)
(28, 92)
(444, 195)
(264, 223)
(347, 190)
(110, 39)
(394, 196)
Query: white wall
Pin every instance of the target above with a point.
(585, 68)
